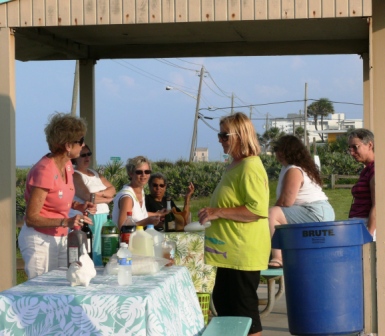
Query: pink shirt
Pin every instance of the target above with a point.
(57, 204)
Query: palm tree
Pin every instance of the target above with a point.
(271, 135)
(322, 107)
(299, 132)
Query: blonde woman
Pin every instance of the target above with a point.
(238, 240)
(131, 198)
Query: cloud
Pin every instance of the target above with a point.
(110, 87)
(297, 62)
(270, 91)
(127, 81)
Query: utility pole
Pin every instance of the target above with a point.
(305, 115)
(251, 111)
(300, 118)
(75, 90)
(267, 122)
(232, 103)
(195, 130)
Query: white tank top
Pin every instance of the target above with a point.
(93, 184)
(138, 212)
(309, 191)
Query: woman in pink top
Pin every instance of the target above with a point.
(49, 193)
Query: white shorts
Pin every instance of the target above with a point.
(41, 252)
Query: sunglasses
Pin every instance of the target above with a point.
(141, 172)
(353, 148)
(224, 136)
(86, 154)
(155, 185)
(80, 142)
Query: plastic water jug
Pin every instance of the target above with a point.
(158, 239)
(141, 243)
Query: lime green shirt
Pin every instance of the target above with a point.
(239, 245)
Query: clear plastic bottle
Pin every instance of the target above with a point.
(125, 265)
(141, 243)
(127, 229)
(158, 240)
(109, 239)
(75, 240)
(168, 251)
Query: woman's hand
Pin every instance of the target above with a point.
(153, 220)
(208, 214)
(78, 220)
(86, 206)
(190, 190)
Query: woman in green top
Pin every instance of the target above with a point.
(238, 240)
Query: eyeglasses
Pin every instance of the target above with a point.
(353, 148)
(155, 185)
(141, 172)
(86, 154)
(80, 142)
(224, 136)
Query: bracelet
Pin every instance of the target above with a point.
(62, 223)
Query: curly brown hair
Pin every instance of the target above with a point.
(294, 152)
(63, 128)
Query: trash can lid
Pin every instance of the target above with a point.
(321, 234)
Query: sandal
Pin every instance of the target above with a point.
(275, 263)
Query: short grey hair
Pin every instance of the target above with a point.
(135, 162)
(363, 134)
(158, 176)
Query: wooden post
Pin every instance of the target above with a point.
(333, 181)
(370, 283)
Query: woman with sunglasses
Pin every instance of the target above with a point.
(92, 186)
(49, 196)
(157, 201)
(131, 198)
(300, 198)
(238, 240)
(361, 148)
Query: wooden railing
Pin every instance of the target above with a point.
(334, 178)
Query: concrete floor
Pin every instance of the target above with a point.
(274, 324)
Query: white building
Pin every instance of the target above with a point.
(335, 121)
(201, 154)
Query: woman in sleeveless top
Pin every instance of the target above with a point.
(94, 187)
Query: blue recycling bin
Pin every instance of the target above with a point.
(323, 272)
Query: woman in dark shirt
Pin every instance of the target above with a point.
(361, 148)
(157, 200)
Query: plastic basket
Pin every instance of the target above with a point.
(204, 301)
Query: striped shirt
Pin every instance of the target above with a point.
(362, 200)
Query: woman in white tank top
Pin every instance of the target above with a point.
(94, 187)
(300, 198)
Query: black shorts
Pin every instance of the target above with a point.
(235, 294)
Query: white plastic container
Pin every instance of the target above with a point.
(125, 265)
(158, 240)
(141, 243)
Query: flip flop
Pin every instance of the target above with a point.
(278, 264)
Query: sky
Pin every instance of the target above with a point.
(136, 115)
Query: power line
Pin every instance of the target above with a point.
(182, 60)
(167, 62)
(224, 92)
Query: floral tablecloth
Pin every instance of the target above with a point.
(161, 304)
(190, 253)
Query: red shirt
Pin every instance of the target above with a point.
(57, 204)
(362, 199)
